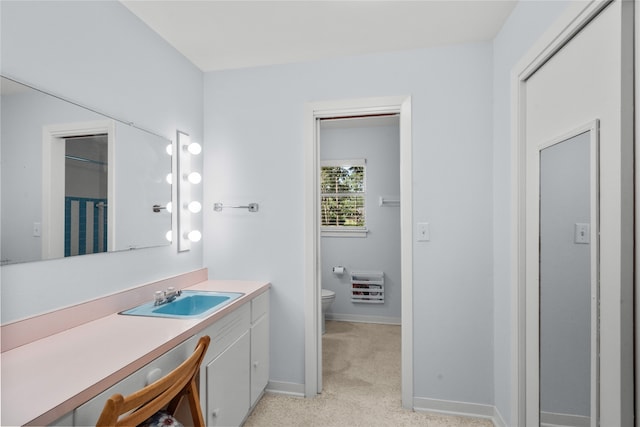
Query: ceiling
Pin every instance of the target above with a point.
(217, 35)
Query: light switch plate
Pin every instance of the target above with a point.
(37, 229)
(582, 233)
(423, 232)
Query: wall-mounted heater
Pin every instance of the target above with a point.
(367, 287)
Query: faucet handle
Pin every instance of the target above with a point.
(158, 296)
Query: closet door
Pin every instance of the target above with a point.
(579, 262)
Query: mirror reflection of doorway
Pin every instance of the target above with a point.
(86, 193)
(55, 139)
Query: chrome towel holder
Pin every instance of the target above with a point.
(252, 207)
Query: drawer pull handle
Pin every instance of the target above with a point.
(255, 364)
(153, 376)
(215, 412)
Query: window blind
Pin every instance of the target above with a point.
(343, 194)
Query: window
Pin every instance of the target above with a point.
(342, 189)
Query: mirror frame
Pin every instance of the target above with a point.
(533, 324)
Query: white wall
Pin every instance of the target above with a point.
(100, 55)
(525, 25)
(254, 152)
(379, 143)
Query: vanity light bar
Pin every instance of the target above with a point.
(187, 206)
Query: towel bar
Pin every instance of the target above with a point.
(252, 207)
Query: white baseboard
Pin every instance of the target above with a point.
(289, 389)
(498, 420)
(551, 419)
(361, 318)
(461, 409)
(422, 404)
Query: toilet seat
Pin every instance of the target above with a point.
(328, 294)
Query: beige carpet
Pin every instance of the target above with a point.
(361, 379)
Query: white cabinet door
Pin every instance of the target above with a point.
(259, 357)
(227, 388)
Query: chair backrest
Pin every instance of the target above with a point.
(166, 392)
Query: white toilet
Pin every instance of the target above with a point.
(327, 298)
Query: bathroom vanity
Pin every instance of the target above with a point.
(73, 372)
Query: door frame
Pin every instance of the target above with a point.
(637, 207)
(53, 178)
(575, 18)
(312, 305)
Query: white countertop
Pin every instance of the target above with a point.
(44, 380)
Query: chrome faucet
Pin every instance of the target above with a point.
(163, 297)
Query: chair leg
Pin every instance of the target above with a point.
(194, 404)
(175, 402)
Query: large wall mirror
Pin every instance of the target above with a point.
(569, 280)
(76, 182)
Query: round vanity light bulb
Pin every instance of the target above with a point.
(194, 178)
(169, 207)
(170, 149)
(194, 207)
(169, 178)
(194, 148)
(169, 235)
(194, 236)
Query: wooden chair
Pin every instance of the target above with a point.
(168, 390)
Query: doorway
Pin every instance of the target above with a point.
(86, 194)
(313, 326)
(360, 230)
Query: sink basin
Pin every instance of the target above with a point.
(191, 304)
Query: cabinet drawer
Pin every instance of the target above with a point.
(227, 330)
(259, 306)
(88, 413)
